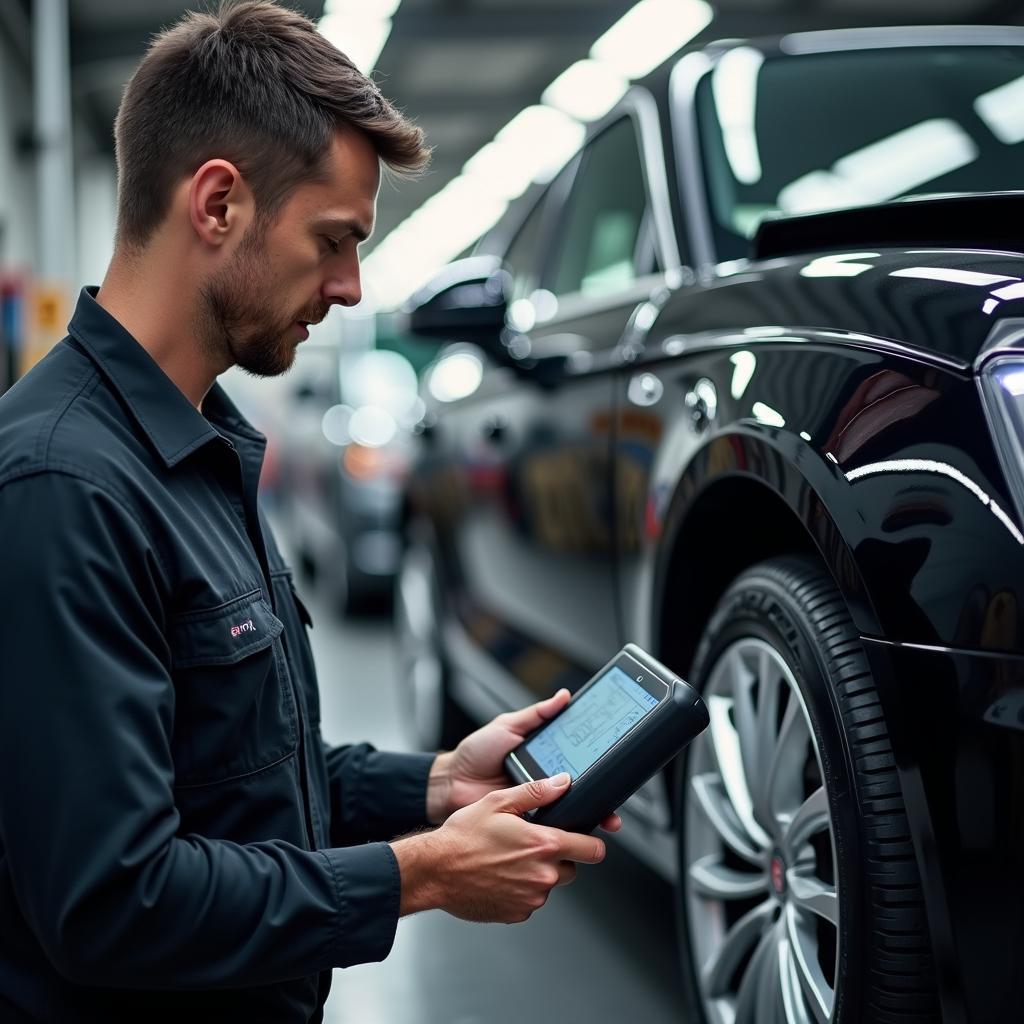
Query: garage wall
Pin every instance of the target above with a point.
(95, 183)
(17, 170)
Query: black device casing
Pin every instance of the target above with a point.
(622, 770)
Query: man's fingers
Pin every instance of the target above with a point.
(612, 823)
(566, 872)
(527, 719)
(530, 795)
(582, 849)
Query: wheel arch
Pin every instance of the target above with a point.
(745, 488)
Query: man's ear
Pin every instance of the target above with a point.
(219, 202)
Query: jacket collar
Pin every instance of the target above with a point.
(173, 425)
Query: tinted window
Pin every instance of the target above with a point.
(522, 258)
(825, 131)
(599, 249)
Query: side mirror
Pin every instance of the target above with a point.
(466, 301)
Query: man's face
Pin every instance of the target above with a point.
(286, 275)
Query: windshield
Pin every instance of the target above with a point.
(825, 131)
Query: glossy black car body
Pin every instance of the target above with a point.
(625, 458)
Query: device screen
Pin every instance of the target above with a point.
(591, 724)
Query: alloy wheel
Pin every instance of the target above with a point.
(759, 868)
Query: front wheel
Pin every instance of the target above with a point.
(800, 900)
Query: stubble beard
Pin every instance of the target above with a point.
(238, 321)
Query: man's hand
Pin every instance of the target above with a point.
(486, 863)
(476, 766)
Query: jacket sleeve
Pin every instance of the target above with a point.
(113, 893)
(375, 795)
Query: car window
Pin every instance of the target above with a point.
(601, 245)
(522, 258)
(814, 132)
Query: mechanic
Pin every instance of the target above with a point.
(175, 838)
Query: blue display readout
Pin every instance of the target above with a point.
(591, 725)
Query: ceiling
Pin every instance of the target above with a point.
(464, 68)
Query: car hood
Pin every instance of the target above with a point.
(945, 301)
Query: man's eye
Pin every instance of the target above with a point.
(333, 244)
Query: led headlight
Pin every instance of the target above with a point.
(1002, 386)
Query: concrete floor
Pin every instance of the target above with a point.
(602, 949)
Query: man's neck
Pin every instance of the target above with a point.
(159, 310)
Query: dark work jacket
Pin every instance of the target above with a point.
(176, 842)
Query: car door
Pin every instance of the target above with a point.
(536, 560)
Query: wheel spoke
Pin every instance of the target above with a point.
(818, 994)
(719, 971)
(811, 818)
(744, 717)
(785, 773)
(794, 1008)
(726, 744)
(713, 879)
(714, 802)
(751, 1006)
(768, 693)
(813, 895)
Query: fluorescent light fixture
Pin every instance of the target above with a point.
(586, 90)
(502, 169)
(367, 9)
(805, 435)
(1002, 109)
(950, 276)
(544, 138)
(533, 147)
(649, 33)
(734, 87)
(890, 167)
(360, 37)
(767, 415)
(743, 364)
(461, 212)
(448, 222)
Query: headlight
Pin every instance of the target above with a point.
(1002, 385)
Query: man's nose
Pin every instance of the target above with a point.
(343, 289)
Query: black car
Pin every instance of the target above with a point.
(343, 449)
(744, 403)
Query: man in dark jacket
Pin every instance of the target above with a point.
(176, 841)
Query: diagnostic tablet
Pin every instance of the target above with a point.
(620, 727)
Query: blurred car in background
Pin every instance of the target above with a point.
(782, 449)
(343, 452)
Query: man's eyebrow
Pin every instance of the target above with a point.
(342, 224)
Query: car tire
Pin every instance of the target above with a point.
(799, 895)
(432, 719)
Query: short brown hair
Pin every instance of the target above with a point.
(254, 83)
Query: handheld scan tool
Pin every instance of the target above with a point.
(620, 727)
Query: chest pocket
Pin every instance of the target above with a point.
(234, 714)
(297, 620)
